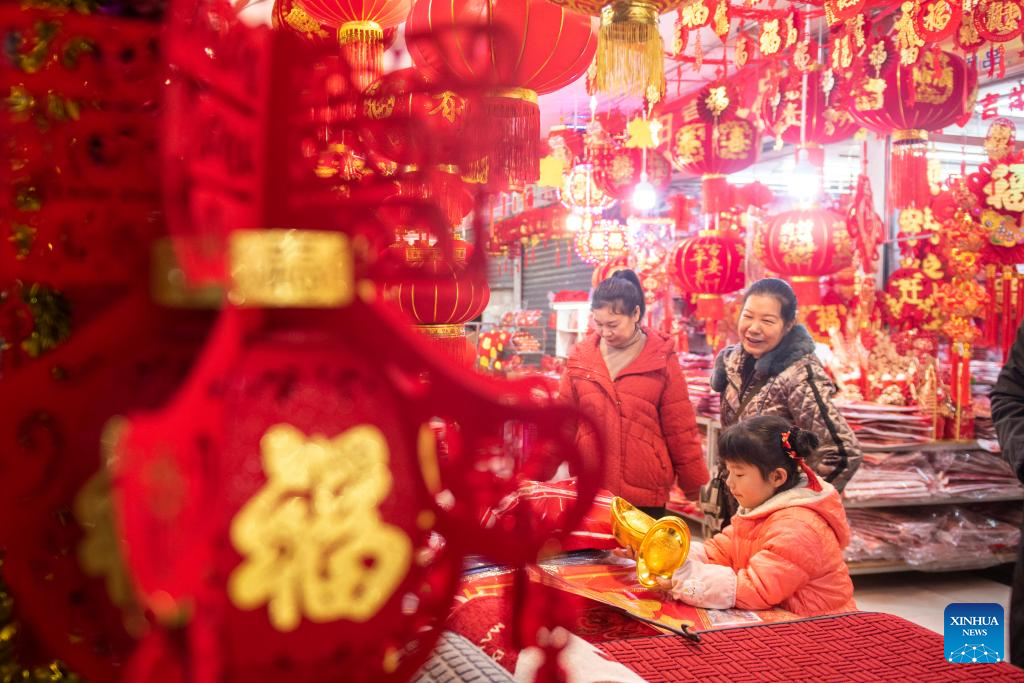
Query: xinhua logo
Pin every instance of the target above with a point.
(973, 632)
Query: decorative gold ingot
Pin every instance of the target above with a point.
(909, 137)
(312, 540)
(291, 269)
(660, 546)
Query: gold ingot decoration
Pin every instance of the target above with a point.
(291, 269)
(312, 540)
(660, 546)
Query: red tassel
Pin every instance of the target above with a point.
(909, 174)
(1007, 303)
(558, 256)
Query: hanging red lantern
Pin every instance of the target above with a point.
(805, 245)
(580, 192)
(441, 298)
(601, 241)
(516, 55)
(433, 121)
(828, 120)
(415, 195)
(712, 150)
(603, 271)
(360, 25)
(708, 266)
(908, 101)
(566, 144)
(617, 170)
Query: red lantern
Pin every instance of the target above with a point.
(821, 319)
(806, 245)
(441, 297)
(603, 271)
(360, 25)
(908, 101)
(827, 120)
(581, 193)
(601, 241)
(517, 55)
(618, 170)
(709, 265)
(712, 150)
(408, 122)
(566, 145)
(416, 195)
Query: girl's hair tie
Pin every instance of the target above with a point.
(787, 438)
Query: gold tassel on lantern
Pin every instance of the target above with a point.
(511, 138)
(630, 55)
(362, 44)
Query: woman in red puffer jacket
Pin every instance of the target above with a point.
(627, 379)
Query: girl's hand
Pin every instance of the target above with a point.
(664, 584)
(624, 552)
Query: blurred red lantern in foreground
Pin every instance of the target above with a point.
(805, 245)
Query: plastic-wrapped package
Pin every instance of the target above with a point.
(974, 473)
(892, 475)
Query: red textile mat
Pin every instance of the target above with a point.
(861, 646)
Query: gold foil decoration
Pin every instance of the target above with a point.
(1005, 190)
(694, 15)
(660, 547)
(906, 38)
(312, 540)
(291, 268)
(770, 42)
(690, 143)
(931, 87)
(449, 105)
(734, 140)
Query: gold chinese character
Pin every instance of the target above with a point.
(770, 42)
(910, 290)
(1005, 190)
(1002, 17)
(907, 40)
(931, 87)
(695, 15)
(449, 105)
(379, 108)
(999, 141)
(690, 143)
(797, 242)
(312, 541)
(937, 16)
(871, 97)
(733, 140)
(622, 169)
(842, 54)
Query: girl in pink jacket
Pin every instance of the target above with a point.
(785, 546)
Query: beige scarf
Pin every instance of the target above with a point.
(618, 358)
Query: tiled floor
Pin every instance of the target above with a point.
(921, 598)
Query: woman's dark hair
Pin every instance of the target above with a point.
(622, 291)
(758, 442)
(780, 290)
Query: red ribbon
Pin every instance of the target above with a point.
(812, 478)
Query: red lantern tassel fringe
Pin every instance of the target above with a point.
(909, 170)
(362, 46)
(512, 138)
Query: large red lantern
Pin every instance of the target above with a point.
(908, 101)
(617, 170)
(432, 121)
(805, 245)
(442, 297)
(517, 55)
(713, 149)
(709, 265)
(360, 25)
(828, 120)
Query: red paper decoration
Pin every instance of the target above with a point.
(909, 299)
(510, 47)
(805, 245)
(998, 20)
(936, 20)
(821, 319)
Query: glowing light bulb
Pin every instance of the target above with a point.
(573, 222)
(804, 183)
(645, 197)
